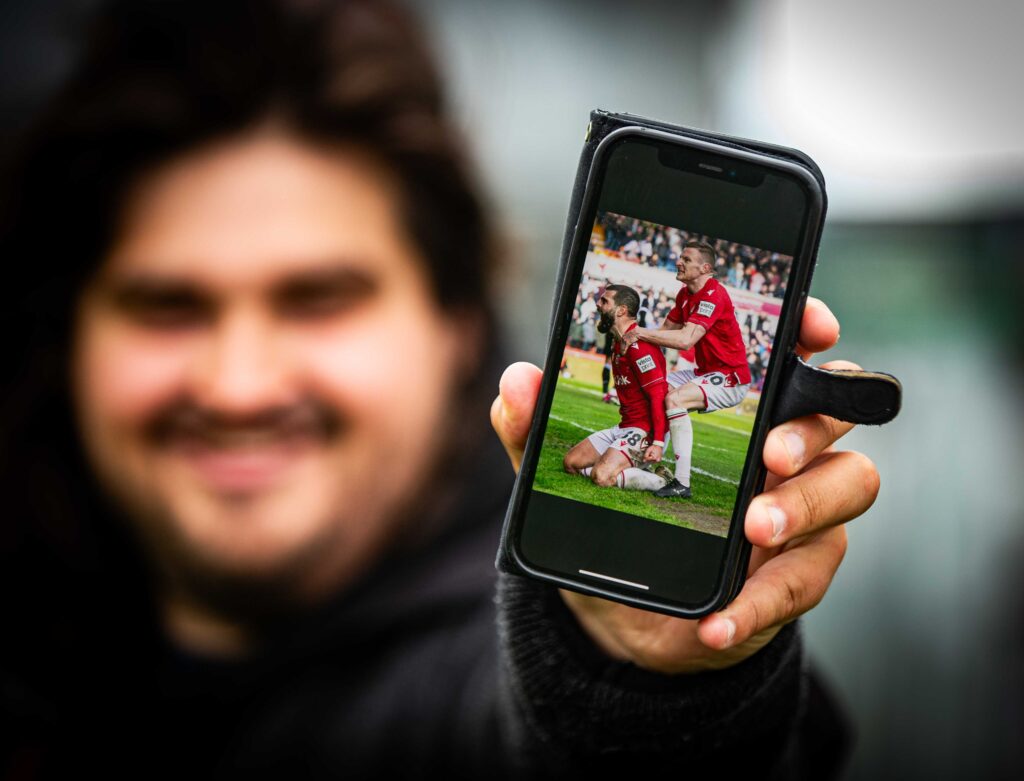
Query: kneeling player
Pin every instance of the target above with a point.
(614, 456)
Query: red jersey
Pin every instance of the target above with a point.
(721, 349)
(640, 382)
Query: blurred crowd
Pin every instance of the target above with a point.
(736, 265)
(655, 304)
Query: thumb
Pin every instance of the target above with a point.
(512, 410)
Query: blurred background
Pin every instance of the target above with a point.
(913, 112)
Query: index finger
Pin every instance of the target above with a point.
(819, 329)
(794, 443)
(783, 589)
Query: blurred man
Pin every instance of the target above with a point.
(260, 343)
(250, 507)
(615, 456)
(704, 320)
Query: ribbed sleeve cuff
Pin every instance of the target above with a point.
(577, 704)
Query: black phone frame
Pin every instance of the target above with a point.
(735, 560)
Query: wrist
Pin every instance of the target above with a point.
(557, 672)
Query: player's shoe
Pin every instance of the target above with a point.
(674, 490)
(610, 399)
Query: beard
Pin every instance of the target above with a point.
(251, 591)
(298, 576)
(604, 325)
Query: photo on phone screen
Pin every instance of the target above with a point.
(610, 400)
(680, 298)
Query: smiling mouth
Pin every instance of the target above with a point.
(243, 454)
(242, 462)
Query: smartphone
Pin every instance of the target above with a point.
(644, 453)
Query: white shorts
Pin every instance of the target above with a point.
(631, 442)
(720, 390)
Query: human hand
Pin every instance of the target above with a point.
(653, 454)
(631, 336)
(795, 527)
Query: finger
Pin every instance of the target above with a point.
(512, 410)
(819, 329)
(795, 443)
(783, 589)
(835, 488)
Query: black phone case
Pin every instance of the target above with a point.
(854, 396)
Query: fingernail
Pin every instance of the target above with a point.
(730, 631)
(795, 446)
(778, 521)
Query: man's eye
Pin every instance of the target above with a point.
(313, 304)
(158, 311)
(318, 298)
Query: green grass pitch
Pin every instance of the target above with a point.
(720, 446)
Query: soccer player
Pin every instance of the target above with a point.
(614, 456)
(703, 319)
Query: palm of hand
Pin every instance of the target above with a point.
(654, 641)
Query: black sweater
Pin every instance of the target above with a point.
(419, 671)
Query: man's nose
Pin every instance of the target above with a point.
(242, 370)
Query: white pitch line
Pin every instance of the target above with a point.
(570, 422)
(705, 422)
(584, 428)
(702, 418)
(713, 477)
(664, 460)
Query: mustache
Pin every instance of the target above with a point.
(185, 419)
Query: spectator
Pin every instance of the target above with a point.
(576, 330)
(756, 282)
(589, 334)
(735, 276)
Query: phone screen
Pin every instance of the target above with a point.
(701, 246)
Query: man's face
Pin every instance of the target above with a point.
(606, 308)
(690, 265)
(260, 369)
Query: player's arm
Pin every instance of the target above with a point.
(678, 336)
(655, 389)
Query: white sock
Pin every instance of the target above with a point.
(634, 478)
(640, 480)
(682, 442)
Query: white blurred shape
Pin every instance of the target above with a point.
(911, 108)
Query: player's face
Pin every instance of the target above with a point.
(261, 373)
(606, 309)
(690, 265)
